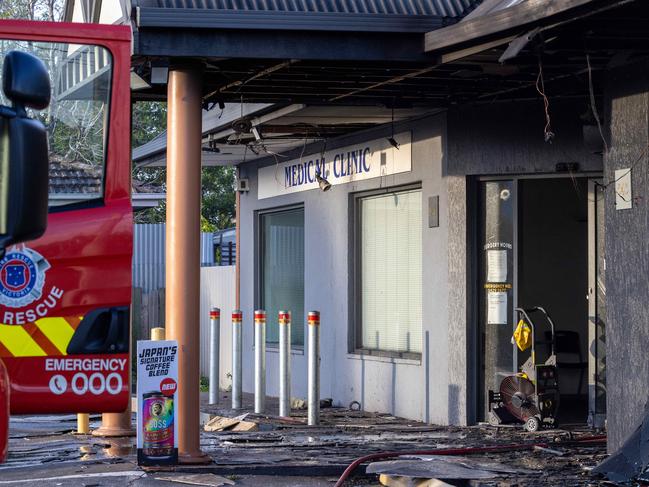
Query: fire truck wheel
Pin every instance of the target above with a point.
(532, 424)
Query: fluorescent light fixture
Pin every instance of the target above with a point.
(159, 75)
(138, 83)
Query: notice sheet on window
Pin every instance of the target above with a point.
(496, 265)
(497, 308)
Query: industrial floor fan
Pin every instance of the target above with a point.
(531, 397)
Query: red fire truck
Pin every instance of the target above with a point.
(65, 296)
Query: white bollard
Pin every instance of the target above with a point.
(284, 363)
(215, 354)
(313, 400)
(237, 396)
(260, 361)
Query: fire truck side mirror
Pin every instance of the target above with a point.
(25, 80)
(24, 160)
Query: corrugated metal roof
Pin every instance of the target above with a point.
(154, 146)
(440, 8)
(491, 6)
(211, 120)
(259, 20)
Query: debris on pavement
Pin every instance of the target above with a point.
(245, 426)
(326, 403)
(297, 403)
(205, 479)
(300, 404)
(552, 451)
(391, 481)
(431, 467)
(221, 423)
(295, 454)
(288, 447)
(631, 460)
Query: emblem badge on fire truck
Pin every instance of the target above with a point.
(22, 277)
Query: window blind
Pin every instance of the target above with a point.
(282, 262)
(391, 280)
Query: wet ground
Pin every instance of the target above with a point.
(43, 451)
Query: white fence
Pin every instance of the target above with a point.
(218, 288)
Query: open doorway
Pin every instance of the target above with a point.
(536, 250)
(553, 273)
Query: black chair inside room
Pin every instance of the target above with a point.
(569, 355)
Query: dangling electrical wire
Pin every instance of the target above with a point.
(276, 156)
(593, 106)
(540, 87)
(611, 184)
(323, 172)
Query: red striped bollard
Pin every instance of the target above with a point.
(215, 354)
(313, 373)
(260, 361)
(284, 321)
(237, 352)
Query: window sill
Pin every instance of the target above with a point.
(394, 359)
(294, 350)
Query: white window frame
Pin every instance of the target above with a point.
(356, 319)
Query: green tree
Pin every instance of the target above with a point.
(149, 120)
(75, 126)
(80, 138)
(51, 10)
(218, 196)
(217, 183)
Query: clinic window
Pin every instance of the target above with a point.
(282, 270)
(388, 275)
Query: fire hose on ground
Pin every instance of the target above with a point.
(596, 439)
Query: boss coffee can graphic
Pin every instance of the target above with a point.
(158, 426)
(157, 373)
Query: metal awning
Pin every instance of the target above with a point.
(280, 20)
(437, 8)
(342, 30)
(499, 23)
(575, 40)
(321, 68)
(280, 129)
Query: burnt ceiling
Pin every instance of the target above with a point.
(565, 60)
(611, 37)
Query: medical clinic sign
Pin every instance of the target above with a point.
(365, 160)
